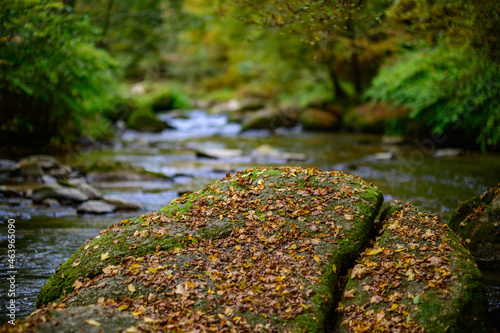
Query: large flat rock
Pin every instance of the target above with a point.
(416, 278)
(261, 250)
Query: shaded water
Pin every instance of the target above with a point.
(47, 237)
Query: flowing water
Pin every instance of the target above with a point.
(45, 237)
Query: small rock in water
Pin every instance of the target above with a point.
(448, 152)
(56, 191)
(122, 204)
(219, 153)
(90, 191)
(8, 192)
(51, 203)
(95, 207)
(44, 161)
(385, 156)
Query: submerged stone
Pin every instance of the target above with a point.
(416, 278)
(261, 250)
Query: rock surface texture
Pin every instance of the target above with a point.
(477, 222)
(416, 278)
(258, 251)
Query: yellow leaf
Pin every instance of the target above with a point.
(131, 288)
(394, 306)
(153, 270)
(294, 246)
(123, 307)
(334, 268)
(92, 322)
(76, 263)
(372, 252)
(77, 285)
(317, 259)
(349, 217)
(105, 256)
(237, 247)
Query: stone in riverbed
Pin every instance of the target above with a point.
(262, 249)
(122, 204)
(319, 120)
(477, 222)
(416, 278)
(90, 191)
(56, 191)
(95, 207)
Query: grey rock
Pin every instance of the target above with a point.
(29, 170)
(44, 161)
(219, 153)
(271, 153)
(95, 207)
(90, 191)
(51, 203)
(62, 170)
(56, 191)
(122, 204)
(448, 152)
(8, 192)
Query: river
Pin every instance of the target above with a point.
(45, 237)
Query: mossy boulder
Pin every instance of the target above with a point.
(416, 278)
(319, 120)
(268, 118)
(261, 250)
(144, 120)
(477, 222)
(375, 117)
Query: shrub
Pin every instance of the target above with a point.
(449, 90)
(51, 75)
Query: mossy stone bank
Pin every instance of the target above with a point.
(477, 222)
(259, 250)
(416, 278)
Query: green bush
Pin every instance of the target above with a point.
(51, 75)
(166, 100)
(448, 90)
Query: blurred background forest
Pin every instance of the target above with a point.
(69, 71)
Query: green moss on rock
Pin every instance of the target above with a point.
(259, 250)
(416, 278)
(477, 222)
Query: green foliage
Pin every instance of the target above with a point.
(447, 89)
(49, 71)
(170, 99)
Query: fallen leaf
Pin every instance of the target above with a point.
(92, 322)
(105, 256)
(131, 288)
(349, 294)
